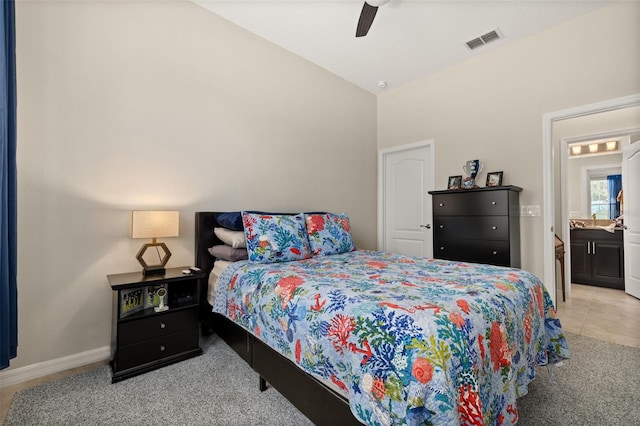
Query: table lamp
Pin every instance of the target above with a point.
(154, 224)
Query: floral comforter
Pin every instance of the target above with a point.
(408, 340)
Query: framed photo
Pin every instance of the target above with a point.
(494, 179)
(131, 301)
(454, 182)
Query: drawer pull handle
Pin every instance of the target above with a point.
(441, 248)
(162, 325)
(495, 252)
(441, 204)
(441, 226)
(493, 203)
(494, 227)
(162, 348)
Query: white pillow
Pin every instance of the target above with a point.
(235, 239)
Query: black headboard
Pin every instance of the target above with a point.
(205, 238)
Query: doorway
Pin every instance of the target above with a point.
(405, 176)
(578, 171)
(548, 173)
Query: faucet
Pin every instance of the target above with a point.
(593, 216)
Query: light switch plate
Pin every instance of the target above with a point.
(530, 210)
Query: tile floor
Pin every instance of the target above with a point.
(601, 313)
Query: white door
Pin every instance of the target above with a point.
(631, 201)
(406, 175)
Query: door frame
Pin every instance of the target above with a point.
(548, 178)
(382, 155)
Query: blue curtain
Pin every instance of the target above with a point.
(615, 185)
(8, 239)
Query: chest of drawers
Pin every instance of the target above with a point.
(480, 225)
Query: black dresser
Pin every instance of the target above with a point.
(480, 225)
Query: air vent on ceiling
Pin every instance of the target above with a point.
(484, 39)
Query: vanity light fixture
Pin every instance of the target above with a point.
(594, 148)
(154, 224)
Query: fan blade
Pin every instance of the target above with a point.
(366, 19)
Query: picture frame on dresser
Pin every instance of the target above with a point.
(454, 182)
(494, 179)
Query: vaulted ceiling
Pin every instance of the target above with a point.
(408, 39)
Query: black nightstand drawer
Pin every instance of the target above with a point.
(157, 349)
(472, 227)
(156, 325)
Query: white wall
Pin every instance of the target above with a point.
(491, 106)
(142, 105)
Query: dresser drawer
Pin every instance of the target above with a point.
(157, 349)
(472, 227)
(477, 251)
(471, 204)
(156, 326)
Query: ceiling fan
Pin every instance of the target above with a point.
(369, 10)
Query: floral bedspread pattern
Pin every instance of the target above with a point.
(408, 340)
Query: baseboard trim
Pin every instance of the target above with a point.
(41, 369)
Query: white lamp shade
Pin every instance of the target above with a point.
(154, 224)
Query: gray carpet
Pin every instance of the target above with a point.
(600, 385)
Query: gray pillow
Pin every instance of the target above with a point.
(229, 253)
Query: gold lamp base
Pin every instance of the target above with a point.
(158, 268)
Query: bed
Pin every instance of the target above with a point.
(353, 336)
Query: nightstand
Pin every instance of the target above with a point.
(143, 336)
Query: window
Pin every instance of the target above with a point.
(599, 196)
(603, 192)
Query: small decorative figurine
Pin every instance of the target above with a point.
(161, 293)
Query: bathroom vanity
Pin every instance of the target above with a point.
(597, 257)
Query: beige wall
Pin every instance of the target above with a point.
(491, 106)
(142, 105)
